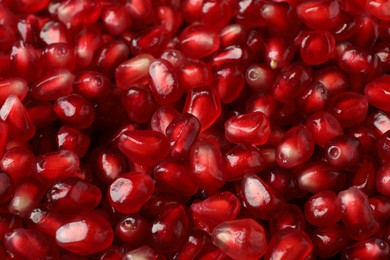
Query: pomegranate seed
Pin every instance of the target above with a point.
(328, 241)
(366, 137)
(349, 108)
(252, 128)
(46, 221)
(129, 192)
(115, 19)
(376, 92)
(313, 99)
(262, 102)
(260, 76)
(170, 229)
(194, 74)
(206, 164)
(204, 104)
(295, 148)
(162, 117)
(282, 181)
(87, 233)
(382, 180)
(17, 162)
(108, 164)
(319, 14)
(9, 222)
(86, 43)
(143, 252)
(15, 115)
(232, 34)
(241, 160)
(141, 12)
(364, 177)
(372, 248)
(248, 13)
(379, 9)
(91, 85)
(163, 82)
(290, 82)
(199, 41)
(13, 86)
(138, 103)
(319, 176)
(209, 213)
(260, 199)
(290, 216)
(54, 32)
(169, 172)
(7, 188)
(323, 127)
(342, 151)
(334, 80)
(133, 71)
(73, 195)
(30, 244)
(381, 208)
(240, 238)
(317, 47)
(170, 19)
(73, 140)
(357, 215)
(289, 244)
(321, 209)
(229, 82)
(74, 13)
(53, 85)
(236, 55)
(145, 147)
(193, 246)
(279, 52)
(132, 230)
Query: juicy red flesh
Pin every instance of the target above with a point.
(194, 129)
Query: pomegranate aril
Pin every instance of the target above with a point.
(349, 108)
(141, 12)
(282, 181)
(356, 213)
(58, 55)
(8, 222)
(195, 73)
(164, 83)
(262, 102)
(378, 8)
(333, 79)
(366, 136)
(252, 128)
(319, 14)
(260, 199)
(342, 151)
(30, 244)
(209, 213)
(52, 167)
(91, 84)
(377, 91)
(199, 41)
(373, 248)
(240, 238)
(170, 172)
(206, 164)
(73, 140)
(170, 229)
(46, 220)
(53, 33)
(381, 208)
(24, 61)
(383, 180)
(295, 148)
(75, 111)
(242, 159)
(17, 162)
(317, 47)
(143, 252)
(363, 177)
(289, 244)
(86, 43)
(115, 19)
(7, 188)
(13, 86)
(129, 192)
(260, 76)
(279, 52)
(132, 230)
(15, 115)
(382, 147)
(53, 85)
(323, 127)
(145, 147)
(290, 216)
(232, 34)
(73, 195)
(77, 13)
(138, 102)
(110, 56)
(204, 104)
(229, 82)
(290, 82)
(87, 233)
(248, 13)
(313, 99)
(234, 54)
(27, 196)
(194, 245)
(328, 241)
(321, 210)
(133, 71)
(169, 18)
(152, 41)
(162, 117)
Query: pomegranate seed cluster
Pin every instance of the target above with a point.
(194, 129)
